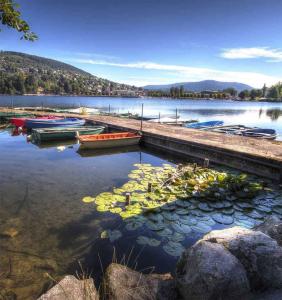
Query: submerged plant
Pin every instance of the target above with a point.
(173, 201)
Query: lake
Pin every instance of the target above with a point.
(47, 231)
(260, 114)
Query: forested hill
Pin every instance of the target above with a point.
(22, 73)
(199, 86)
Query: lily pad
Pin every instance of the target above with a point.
(223, 219)
(173, 248)
(88, 199)
(181, 228)
(205, 207)
(202, 228)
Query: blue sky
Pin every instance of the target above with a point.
(153, 42)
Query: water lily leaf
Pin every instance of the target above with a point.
(115, 210)
(205, 207)
(201, 227)
(188, 220)
(170, 216)
(181, 228)
(173, 248)
(223, 219)
(88, 199)
(177, 237)
(155, 226)
(165, 232)
(154, 242)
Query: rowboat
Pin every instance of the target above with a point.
(43, 123)
(269, 134)
(204, 125)
(20, 122)
(109, 140)
(242, 130)
(64, 133)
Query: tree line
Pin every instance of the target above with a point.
(273, 93)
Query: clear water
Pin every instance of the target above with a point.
(260, 114)
(41, 191)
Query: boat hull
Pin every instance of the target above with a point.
(41, 123)
(46, 135)
(105, 141)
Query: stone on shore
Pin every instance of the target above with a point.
(208, 271)
(123, 283)
(260, 255)
(272, 227)
(71, 288)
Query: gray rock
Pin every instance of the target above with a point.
(71, 288)
(208, 271)
(272, 227)
(259, 254)
(123, 283)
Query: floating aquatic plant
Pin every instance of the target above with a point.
(171, 202)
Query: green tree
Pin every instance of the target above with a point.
(10, 16)
(244, 94)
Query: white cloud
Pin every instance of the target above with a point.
(186, 73)
(272, 55)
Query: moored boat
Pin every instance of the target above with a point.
(204, 125)
(260, 133)
(20, 122)
(109, 140)
(43, 123)
(64, 133)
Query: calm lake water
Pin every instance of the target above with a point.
(46, 229)
(260, 114)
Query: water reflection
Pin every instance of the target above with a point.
(274, 114)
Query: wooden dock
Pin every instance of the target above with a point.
(257, 156)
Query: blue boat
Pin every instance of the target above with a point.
(46, 123)
(260, 133)
(204, 125)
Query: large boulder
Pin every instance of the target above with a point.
(260, 255)
(71, 288)
(123, 283)
(207, 271)
(273, 228)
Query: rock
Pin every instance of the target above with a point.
(272, 227)
(259, 254)
(71, 288)
(208, 271)
(123, 283)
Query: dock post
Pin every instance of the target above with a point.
(159, 117)
(109, 108)
(127, 198)
(142, 111)
(206, 163)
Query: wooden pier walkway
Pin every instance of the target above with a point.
(260, 157)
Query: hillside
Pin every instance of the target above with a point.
(22, 73)
(205, 85)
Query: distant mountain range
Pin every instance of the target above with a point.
(199, 86)
(22, 73)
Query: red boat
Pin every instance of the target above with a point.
(20, 122)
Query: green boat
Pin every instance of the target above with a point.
(64, 133)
